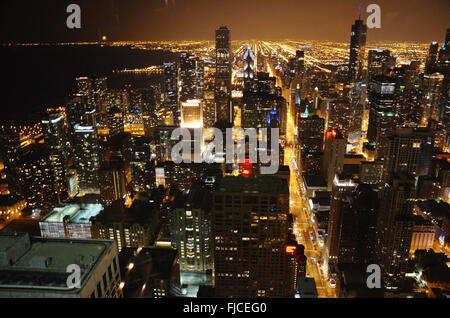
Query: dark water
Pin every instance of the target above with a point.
(43, 76)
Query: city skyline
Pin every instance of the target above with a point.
(226, 168)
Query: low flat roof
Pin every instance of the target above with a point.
(44, 264)
(77, 213)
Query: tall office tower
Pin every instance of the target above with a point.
(84, 86)
(395, 227)
(299, 62)
(249, 67)
(250, 232)
(262, 97)
(443, 67)
(86, 157)
(200, 77)
(171, 90)
(115, 121)
(357, 51)
(352, 223)
(130, 226)
(56, 140)
(311, 131)
(34, 267)
(112, 181)
(382, 116)
(222, 90)
(333, 157)
(190, 222)
(376, 62)
(191, 113)
(432, 89)
(10, 144)
(408, 94)
(142, 164)
(76, 112)
(37, 175)
(409, 150)
(431, 64)
(149, 107)
(188, 72)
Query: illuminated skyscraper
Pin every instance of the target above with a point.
(333, 158)
(250, 233)
(190, 223)
(376, 62)
(357, 51)
(191, 113)
(56, 140)
(382, 116)
(249, 67)
(200, 77)
(37, 175)
(86, 157)
(171, 90)
(352, 223)
(224, 59)
(432, 89)
(409, 150)
(431, 64)
(188, 74)
(395, 227)
(115, 121)
(311, 132)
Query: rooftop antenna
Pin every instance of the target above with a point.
(359, 11)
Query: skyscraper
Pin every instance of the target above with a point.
(171, 90)
(376, 62)
(224, 58)
(38, 177)
(333, 158)
(250, 232)
(432, 89)
(311, 132)
(431, 64)
(382, 116)
(395, 227)
(357, 51)
(409, 150)
(190, 223)
(188, 76)
(352, 223)
(86, 157)
(56, 140)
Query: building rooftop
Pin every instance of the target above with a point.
(141, 212)
(314, 180)
(41, 263)
(435, 209)
(260, 184)
(76, 212)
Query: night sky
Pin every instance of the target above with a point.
(40, 21)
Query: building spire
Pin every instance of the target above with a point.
(359, 11)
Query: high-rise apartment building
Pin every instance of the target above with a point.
(333, 157)
(56, 140)
(86, 157)
(222, 91)
(357, 51)
(250, 233)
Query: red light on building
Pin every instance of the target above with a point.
(246, 168)
(291, 249)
